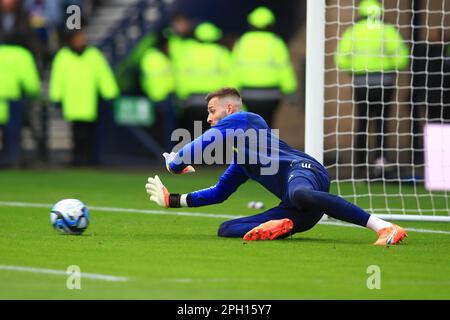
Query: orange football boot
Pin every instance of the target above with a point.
(270, 230)
(390, 235)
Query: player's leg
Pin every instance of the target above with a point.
(12, 133)
(379, 112)
(417, 133)
(387, 109)
(376, 159)
(168, 107)
(241, 226)
(361, 139)
(78, 136)
(308, 191)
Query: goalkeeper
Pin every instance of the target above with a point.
(299, 181)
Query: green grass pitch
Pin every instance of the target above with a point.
(180, 257)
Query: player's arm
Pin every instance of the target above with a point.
(169, 157)
(181, 161)
(228, 183)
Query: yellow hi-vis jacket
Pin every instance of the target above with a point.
(371, 46)
(205, 67)
(261, 60)
(18, 76)
(157, 79)
(77, 79)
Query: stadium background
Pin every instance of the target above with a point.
(118, 28)
(177, 255)
(53, 143)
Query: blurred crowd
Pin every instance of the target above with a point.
(187, 60)
(190, 58)
(38, 25)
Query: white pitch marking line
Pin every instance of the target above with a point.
(63, 273)
(190, 214)
(125, 210)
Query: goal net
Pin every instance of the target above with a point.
(386, 114)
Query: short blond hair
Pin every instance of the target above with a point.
(224, 92)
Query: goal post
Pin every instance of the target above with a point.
(314, 84)
(366, 120)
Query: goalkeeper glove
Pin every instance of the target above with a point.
(169, 158)
(160, 195)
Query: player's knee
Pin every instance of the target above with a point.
(305, 227)
(302, 196)
(308, 221)
(223, 229)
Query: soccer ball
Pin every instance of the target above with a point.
(69, 216)
(255, 205)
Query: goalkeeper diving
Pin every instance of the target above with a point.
(300, 182)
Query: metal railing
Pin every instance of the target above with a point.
(140, 19)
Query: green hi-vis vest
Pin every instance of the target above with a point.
(175, 44)
(205, 67)
(177, 48)
(371, 46)
(18, 77)
(157, 75)
(261, 60)
(76, 80)
(4, 112)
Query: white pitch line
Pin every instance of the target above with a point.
(190, 214)
(126, 210)
(63, 273)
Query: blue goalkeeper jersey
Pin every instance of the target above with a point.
(256, 153)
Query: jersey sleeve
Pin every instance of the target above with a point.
(30, 75)
(192, 153)
(228, 183)
(107, 83)
(56, 86)
(288, 78)
(343, 54)
(396, 48)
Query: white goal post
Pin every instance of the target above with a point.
(368, 126)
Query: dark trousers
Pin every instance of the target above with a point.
(194, 109)
(262, 101)
(12, 131)
(85, 143)
(165, 123)
(168, 108)
(265, 108)
(372, 105)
